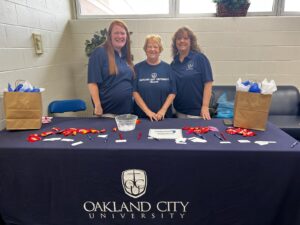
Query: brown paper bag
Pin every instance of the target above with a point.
(251, 110)
(23, 110)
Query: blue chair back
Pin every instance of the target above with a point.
(61, 106)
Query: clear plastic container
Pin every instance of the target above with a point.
(126, 122)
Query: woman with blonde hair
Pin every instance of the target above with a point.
(110, 73)
(193, 75)
(154, 88)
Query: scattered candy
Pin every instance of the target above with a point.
(83, 131)
(33, 138)
(47, 133)
(196, 130)
(241, 131)
(65, 132)
(56, 129)
(94, 131)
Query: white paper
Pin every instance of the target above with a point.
(244, 141)
(199, 140)
(180, 141)
(67, 139)
(103, 135)
(77, 143)
(51, 139)
(225, 142)
(121, 141)
(165, 133)
(264, 142)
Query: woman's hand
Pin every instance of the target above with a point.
(98, 111)
(161, 114)
(205, 113)
(152, 116)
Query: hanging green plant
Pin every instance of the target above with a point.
(232, 7)
(98, 39)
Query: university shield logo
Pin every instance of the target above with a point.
(154, 76)
(190, 66)
(134, 182)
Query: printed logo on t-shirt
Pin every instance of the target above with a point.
(153, 75)
(190, 66)
(154, 79)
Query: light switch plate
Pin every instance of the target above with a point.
(38, 45)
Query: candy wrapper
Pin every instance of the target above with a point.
(240, 131)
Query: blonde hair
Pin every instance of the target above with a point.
(179, 33)
(113, 70)
(156, 38)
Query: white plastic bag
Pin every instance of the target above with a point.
(241, 87)
(267, 88)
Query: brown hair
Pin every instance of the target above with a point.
(194, 45)
(113, 70)
(156, 38)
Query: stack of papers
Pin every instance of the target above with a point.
(165, 133)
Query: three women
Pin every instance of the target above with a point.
(112, 80)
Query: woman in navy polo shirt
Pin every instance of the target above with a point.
(193, 76)
(110, 73)
(154, 88)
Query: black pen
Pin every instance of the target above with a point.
(294, 144)
(199, 135)
(217, 136)
(154, 138)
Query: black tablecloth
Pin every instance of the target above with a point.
(54, 183)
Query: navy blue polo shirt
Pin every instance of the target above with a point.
(115, 91)
(190, 76)
(154, 83)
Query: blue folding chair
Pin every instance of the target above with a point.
(62, 106)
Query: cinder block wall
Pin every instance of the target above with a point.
(18, 61)
(248, 47)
